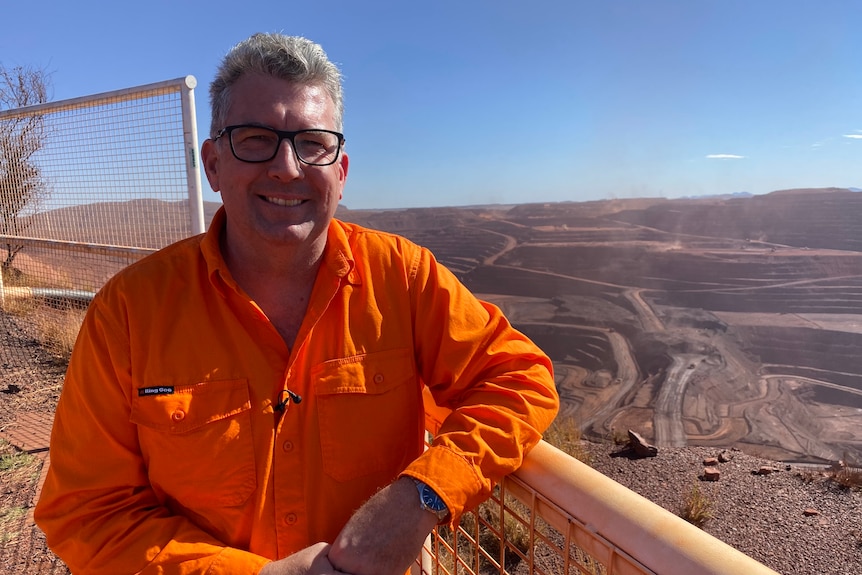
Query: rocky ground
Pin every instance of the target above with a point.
(795, 520)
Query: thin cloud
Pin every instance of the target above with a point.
(853, 136)
(724, 157)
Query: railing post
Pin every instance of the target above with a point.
(190, 135)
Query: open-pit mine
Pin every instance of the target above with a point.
(729, 321)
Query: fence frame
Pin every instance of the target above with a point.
(185, 85)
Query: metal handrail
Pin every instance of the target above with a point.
(602, 527)
(638, 528)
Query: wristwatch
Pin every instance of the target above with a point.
(430, 501)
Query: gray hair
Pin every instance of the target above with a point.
(291, 58)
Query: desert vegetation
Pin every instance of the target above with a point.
(18, 472)
(697, 507)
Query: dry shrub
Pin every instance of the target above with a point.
(11, 519)
(18, 473)
(848, 477)
(58, 329)
(54, 326)
(565, 435)
(697, 507)
(845, 473)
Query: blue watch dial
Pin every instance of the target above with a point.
(429, 500)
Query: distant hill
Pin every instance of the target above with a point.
(719, 196)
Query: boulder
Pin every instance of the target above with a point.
(711, 473)
(640, 446)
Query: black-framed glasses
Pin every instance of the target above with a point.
(255, 144)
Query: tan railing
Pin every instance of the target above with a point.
(556, 515)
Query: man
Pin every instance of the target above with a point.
(250, 400)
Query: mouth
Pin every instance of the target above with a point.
(282, 201)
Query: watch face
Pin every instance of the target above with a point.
(431, 499)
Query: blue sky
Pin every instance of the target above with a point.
(457, 103)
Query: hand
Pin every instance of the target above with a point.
(385, 535)
(310, 561)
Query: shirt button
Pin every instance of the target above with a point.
(178, 415)
(378, 378)
(287, 446)
(290, 518)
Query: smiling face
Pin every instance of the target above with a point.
(281, 203)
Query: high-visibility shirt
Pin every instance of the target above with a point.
(168, 453)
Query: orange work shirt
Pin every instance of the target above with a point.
(167, 452)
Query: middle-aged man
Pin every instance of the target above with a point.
(250, 400)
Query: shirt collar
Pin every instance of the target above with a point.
(337, 257)
(217, 271)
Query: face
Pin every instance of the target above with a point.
(282, 202)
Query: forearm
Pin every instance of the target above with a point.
(312, 560)
(385, 536)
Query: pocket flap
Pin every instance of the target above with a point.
(372, 374)
(187, 407)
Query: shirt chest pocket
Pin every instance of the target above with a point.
(370, 413)
(197, 442)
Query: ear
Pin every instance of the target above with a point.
(210, 158)
(343, 164)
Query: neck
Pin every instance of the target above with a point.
(268, 263)
(279, 281)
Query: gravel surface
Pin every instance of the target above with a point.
(764, 516)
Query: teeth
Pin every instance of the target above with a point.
(283, 202)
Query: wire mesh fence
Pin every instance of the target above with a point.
(519, 529)
(520, 534)
(88, 186)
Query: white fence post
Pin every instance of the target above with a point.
(190, 132)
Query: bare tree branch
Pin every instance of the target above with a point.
(21, 181)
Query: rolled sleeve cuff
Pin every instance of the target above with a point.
(453, 477)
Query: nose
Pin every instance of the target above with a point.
(285, 165)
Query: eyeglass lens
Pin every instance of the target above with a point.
(259, 144)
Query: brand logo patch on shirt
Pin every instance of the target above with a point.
(162, 390)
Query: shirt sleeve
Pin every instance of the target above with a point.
(97, 508)
(498, 385)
